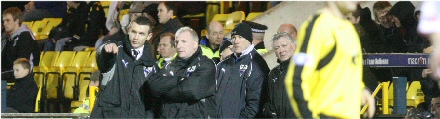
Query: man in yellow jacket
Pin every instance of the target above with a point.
(324, 79)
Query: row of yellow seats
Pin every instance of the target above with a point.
(62, 74)
(230, 20)
(41, 28)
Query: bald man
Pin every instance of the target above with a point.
(289, 29)
(213, 40)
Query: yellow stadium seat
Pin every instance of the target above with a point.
(252, 15)
(92, 96)
(51, 23)
(233, 19)
(414, 95)
(89, 49)
(106, 12)
(122, 13)
(204, 32)
(29, 24)
(105, 4)
(47, 59)
(37, 28)
(37, 100)
(53, 75)
(71, 83)
(221, 18)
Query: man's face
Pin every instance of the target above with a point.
(284, 48)
(10, 24)
(166, 49)
(185, 44)
(138, 34)
(226, 52)
(384, 19)
(435, 107)
(163, 14)
(19, 71)
(215, 34)
(239, 43)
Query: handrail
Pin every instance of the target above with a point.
(384, 87)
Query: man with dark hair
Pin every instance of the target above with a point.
(186, 85)
(167, 17)
(20, 42)
(129, 64)
(166, 49)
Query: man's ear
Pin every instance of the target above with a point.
(149, 36)
(171, 13)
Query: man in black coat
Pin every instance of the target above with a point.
(130, 63)
(186, 85)
(240, 77)
(278, 105)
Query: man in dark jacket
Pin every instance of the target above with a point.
(403, 12)
(20, 43)
(72, 27)
(240, 78)
(21, 96)
(130, 62)
(278, 105)
(186, 85)
(95, 27)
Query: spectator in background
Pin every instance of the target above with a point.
(258, 31)
(38, 10)
(289, 29)
(166, 49)
(21, 97)
(214, 38)
(403, 17)
(435, 107)
(150, 12)
(19, 44)
(95, 27)
(167, 17)
(370, 34)
(392, 36)
(72, 27)
(278, 105)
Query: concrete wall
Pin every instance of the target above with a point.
(294, 12)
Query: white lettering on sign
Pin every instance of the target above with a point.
(376, 61)
(419, 60)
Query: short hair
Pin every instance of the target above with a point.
(380, 5)
(190, 30)
(142, 20)
(15, 13)
(23, 62)
(281, 35)
(172, 37)
(170, 6)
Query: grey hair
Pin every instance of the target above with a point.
(282, 34)
(190, 30)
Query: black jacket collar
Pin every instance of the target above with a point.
(146, 58)
(186, 62)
